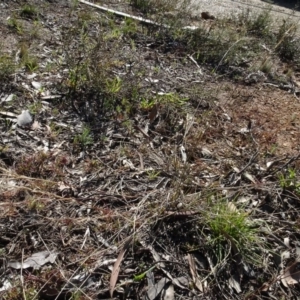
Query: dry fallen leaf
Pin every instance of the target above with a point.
(183, 154)
(8, 114)
(291, 275)
(232, 207)
(35, 261)
(250, 177)
(155, 290)
(233, 282)
(169, 293)
(116, 269)
(35, 125)
(8, 98)
(37, 85)
(161, 265)
(194, 273)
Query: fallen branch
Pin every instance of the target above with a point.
(121, 14)
(124, 15)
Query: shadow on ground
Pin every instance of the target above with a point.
(292, 4)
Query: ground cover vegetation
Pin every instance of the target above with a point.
(153, 161)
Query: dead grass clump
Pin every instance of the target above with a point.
(7, 66)
(220, 45)
(237, 41)
(29, 11)
(92, 87)
(27, 60)
(288, 43)
(259, 25)
(16, 25)
(159, 8)
(13, 194)
(41, 165)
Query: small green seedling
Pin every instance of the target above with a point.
(114, 85)
(152, 174)
(289, 181)
(141, 276)
(85, 138)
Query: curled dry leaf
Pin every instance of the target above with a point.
(250, 177)
(37, 85)
(232, 207)
(234, 283)
(291, 275)
(63, 186)
(35, 125)
(49, 131)
(35, 261)
(286, 241)
(183, 154)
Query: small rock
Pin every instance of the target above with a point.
(24, 119)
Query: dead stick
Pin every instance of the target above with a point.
(140, 19)
(118, 13)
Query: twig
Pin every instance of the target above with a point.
(249, 163)
(22, 279)
(193, 60)
(242, 39)
(294, 158)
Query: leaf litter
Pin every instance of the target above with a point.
(79, 178)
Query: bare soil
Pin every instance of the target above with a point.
(280, 9)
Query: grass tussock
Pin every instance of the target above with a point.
(7, 66)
